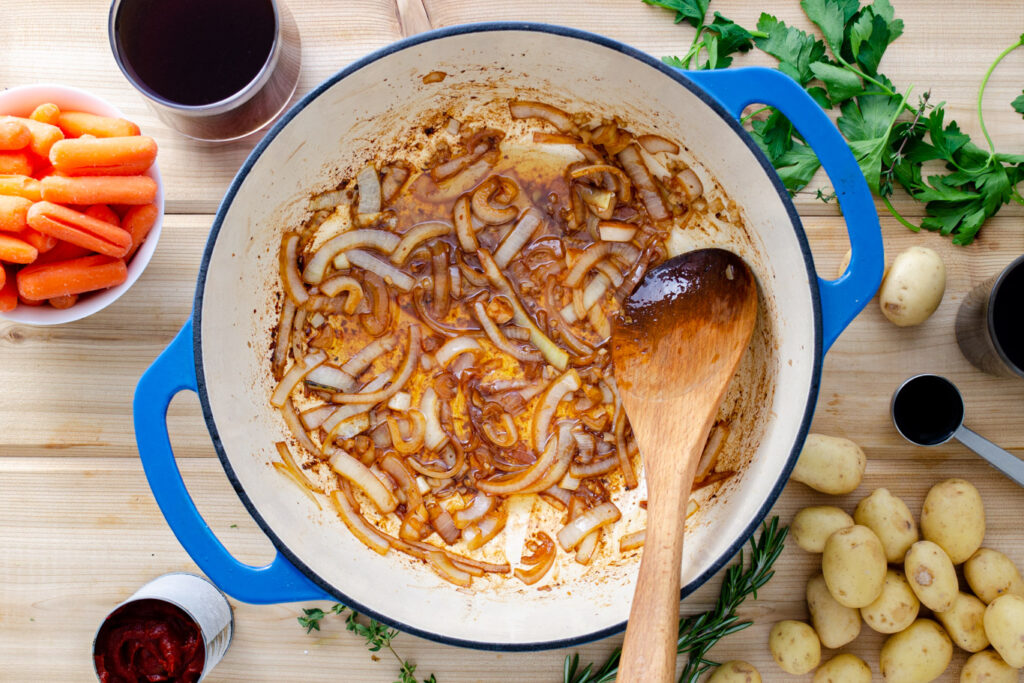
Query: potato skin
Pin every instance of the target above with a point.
(812, 526)
(735, 671)
(965, 623)
(853, 564)
(830, 464)
(835, 624)
(795, 647)
(953, 516)
(987, 667)
(990, 574)
(1004, 626)
(896, 608)
(891, 520)
(913, 286)
(844, 668)
(931, 575)
(916, 655)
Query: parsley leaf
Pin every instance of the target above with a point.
(830, 16)
(866, 123)
(732, 38)
(1018, 104)
(690, 11)
(840, 84)
(795, 49)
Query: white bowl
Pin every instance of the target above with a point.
(20, 101)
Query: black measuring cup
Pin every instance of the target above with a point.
(928, 410)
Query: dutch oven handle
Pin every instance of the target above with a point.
(171, 372)
(841, 299)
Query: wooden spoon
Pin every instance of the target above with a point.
(675, 345)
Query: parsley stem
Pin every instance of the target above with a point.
(981, 91)
(754, 113)
(896, 214)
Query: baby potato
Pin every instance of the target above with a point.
(990, 574)
(954, 517)
(830, 464)
(835, 624)
(853, 564)
(896, 608)
(987, 667)
(891, 520)
(965, 623)
(845, 668)
(1004, 626)
(812, 526)
(932, 576)
(735, 671)
(916, 655)
(795, 647)
(913, 286)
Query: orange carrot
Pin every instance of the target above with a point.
(14, 135)
(134, 168)
(139, 221)
(14, 250)
(9, 291)
(13, 212)
(3, 276)
(30, 302)
(15, 163)
(100, 190)
(65, 301)
(64, 251)
(76, 123)
(16, 185)
(42, 243)
(103, 213)
(43, 134)
(76, 227)
(50, 280)
(134, 154)
(47, 112)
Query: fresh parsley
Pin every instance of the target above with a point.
(1018, 104)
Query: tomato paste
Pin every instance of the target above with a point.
(149, 641)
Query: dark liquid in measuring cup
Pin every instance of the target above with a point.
(928, 410)
(1008, 316)
(196, 52)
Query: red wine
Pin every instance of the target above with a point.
(1008, 316)
(928, 409)
(195, 52)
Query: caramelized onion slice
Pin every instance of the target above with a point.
(358, 525)
(515, 240)
(454, 347)
(369, 190)
(520, 481)
(385, 270)
(416, 236)
(289, 262)
(540, 559)
(616, 231)
(482, 196)
(282, 338)
(494, 333)
(433, 435)
(655, 144)
(558, 390)
(641, 177)
(412, 443)
(570, 536)
(361, 476)
(444, 568)
(295, 374)
(525, 109)
(338, 284)
(412, 359)
(632, 541)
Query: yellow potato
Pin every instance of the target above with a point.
(916, 655)
(853, 564)
(990, 574)
(830, 464)
(845, 668)
(954, 517)
(913, 286)
(896, 608)
(735, 671)
(1004, 626)
(795, 647)
(987, 667)
(812, 526)
(844, 263)
(891, 520)
(965, 623)
(931, 576)
(835, 624)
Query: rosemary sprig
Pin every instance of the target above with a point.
(699, 633)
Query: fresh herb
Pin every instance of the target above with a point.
(825, 195)
(699, 633)
(890, 137)
(1018, 104)
(377, 636)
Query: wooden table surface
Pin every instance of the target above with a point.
(80, 531)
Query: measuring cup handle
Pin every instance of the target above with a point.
(1003, 460)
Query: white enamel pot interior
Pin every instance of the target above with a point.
(366, 109)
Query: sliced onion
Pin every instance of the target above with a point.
(453, 347)
(338, 284)
(444, 568)
(690, 183)
(585, 550)
(416, 236)
(620, 447)
(360, 475)
(517, 237)
(654, 165)
(297, 480)
(314, 417)
(291, 419)
(481, 505)
(563, 458)
(616, 231)
(621, 179)
(515, 483)
(442, 523)
(398, 471)
(562, 387)
(632, 541)
(369, 190)
(609, 271)
(482, 196)
(290, 464)
(358, 525)
(339, 245)
(575, 531)
(486, 529)
(594, 468)
(587, 260)
(433, 436)
(289, 262)
(655, 144)
(641, 177)
(455, 278)
(349, 411)
(712, 449)
(504, 434)
(348, 428)
(385, 270)
(543, 138)
(600, 201)
(328, 200)
(593, 292)
(281, 339)
(600, 322)
(464, 225)
(461, 182)
(295, 375)
(412, 443)
(401, 401)
(523, 109)
(412, 359)
(396, 179)
(330, 378)
(493, 333)
(540, 560)
(454, 469)
(453, 126)
(358, 363)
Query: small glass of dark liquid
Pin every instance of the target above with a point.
(213, 70)
(990, 323)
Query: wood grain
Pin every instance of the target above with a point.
(80, 530)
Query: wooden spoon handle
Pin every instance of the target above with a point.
(649, 651)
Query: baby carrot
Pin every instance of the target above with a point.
(42, 243)
(13, 212)
(9, 291)
(103, 213)
(132, 168)
(135, 153)
(64, 251)
(138, 222)
(76, 123)
(47, 112)
(50, 280)
(30, 302)
(43, 134)
(15, 163)
(75, 227)
(16, 185)
(14, 135)
(100, 190)
(14, 250)
(64, 301)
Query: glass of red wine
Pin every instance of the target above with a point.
(990, 323)
(214, 70)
